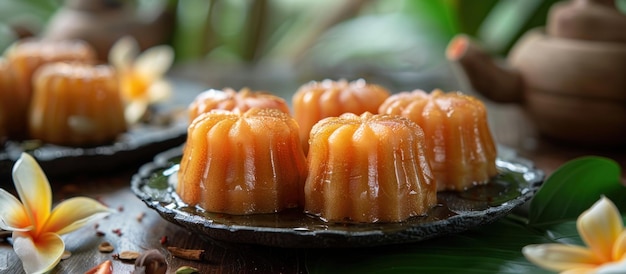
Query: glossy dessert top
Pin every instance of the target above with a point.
(229, 99)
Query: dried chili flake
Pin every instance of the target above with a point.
(117, 231)
(104, 268)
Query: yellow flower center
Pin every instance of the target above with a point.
(134, 86)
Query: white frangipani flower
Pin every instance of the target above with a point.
(36, 228)
(602, 229)
(141, 76)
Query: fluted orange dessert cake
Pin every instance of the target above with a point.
(242, 163)
(460, 148)
(26, 56)
(229, 99)
(76, 105)
(317, 100)
(8, 105)
(368, 168)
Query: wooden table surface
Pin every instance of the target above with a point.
(135, 227)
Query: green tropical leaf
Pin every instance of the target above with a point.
(494, 248)
(471, 14)
(439, 15)
(574, 187)
(565, 233)
(508, 20)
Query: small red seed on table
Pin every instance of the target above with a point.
(117, 231)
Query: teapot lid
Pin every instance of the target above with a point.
(596, 20)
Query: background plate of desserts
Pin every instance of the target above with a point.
(60, 104)
(353, 166)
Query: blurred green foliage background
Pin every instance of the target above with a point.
(382, 35)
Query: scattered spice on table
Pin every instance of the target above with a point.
(126, 255)
(140, 216)
(151, 262)
(186, 270)
(105, 247)
(189, 254)
(163, 240)
(117, 231)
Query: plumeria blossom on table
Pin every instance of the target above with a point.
(36, 229)
(602, 229)
(141, 75)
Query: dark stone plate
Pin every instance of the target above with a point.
(134, 147)
(457, 211)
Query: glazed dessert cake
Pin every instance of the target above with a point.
(8, 104)
(368, 168)
(460, 148)
(24, 58)
(230, 99)
(76, 105)
(317, 100)
(242, 163)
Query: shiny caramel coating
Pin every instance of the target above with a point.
(23, 59)
(76, 105)
(460, 148)
(368, 168)
(242, 163)
(10, 103)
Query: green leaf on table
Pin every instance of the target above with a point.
(493, 248)
(574, 187)
(566, 233)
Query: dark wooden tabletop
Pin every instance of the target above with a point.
(135, 227)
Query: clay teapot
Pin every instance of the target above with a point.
(570, 77)
(102, 22)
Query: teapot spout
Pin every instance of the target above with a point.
(488, 78)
